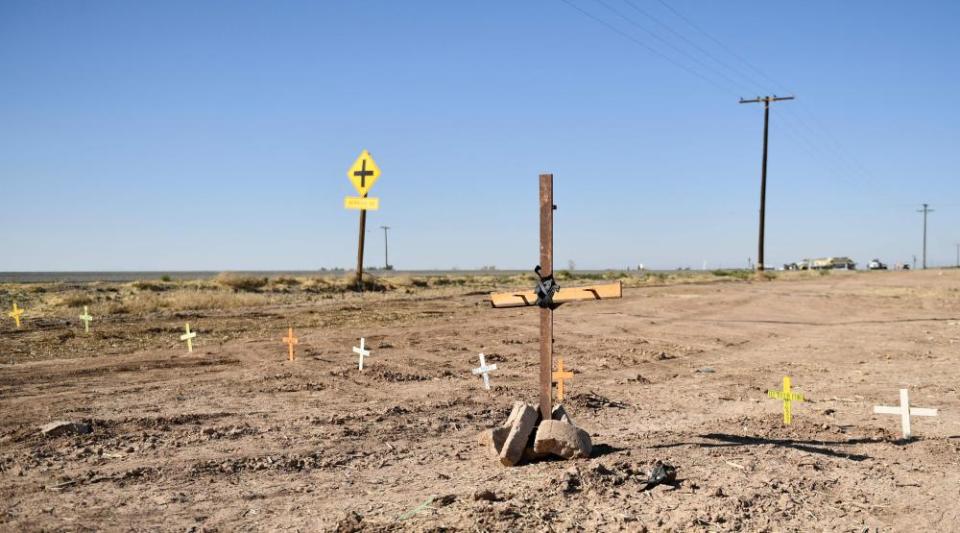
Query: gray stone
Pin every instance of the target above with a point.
(562, 439)
(523, 424)
(494, 439)
(64, 427)
(559, 413)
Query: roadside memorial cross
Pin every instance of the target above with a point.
(905, 412)
(290, 341)
(188, 336)
(788, 397)
(484, 370)
(548, 295)
(361, 352)
(559, 377)
(15, 314)
(86, 318)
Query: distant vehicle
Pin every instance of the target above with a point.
(876, 265)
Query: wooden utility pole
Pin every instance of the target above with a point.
(926, 209)
(546, 313)
(763, 172)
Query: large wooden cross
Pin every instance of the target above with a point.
(548, 297)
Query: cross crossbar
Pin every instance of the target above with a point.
(572, 294)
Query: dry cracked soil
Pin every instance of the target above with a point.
(235, 437)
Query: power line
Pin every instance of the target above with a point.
(640, 43)
(857, 167)
(668, 44)
(696, 46)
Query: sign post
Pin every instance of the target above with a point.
(363, 174)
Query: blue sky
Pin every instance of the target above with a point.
(216, 135)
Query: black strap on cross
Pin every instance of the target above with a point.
(363, 173)
(546, 288)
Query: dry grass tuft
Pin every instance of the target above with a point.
(241, 282)
(287, 281)
(184, 300)
(76, 299)
(150, 285)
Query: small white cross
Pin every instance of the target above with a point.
(361, 352)
(188, 336)
(905, 412)
(86, 318)
(485, 370)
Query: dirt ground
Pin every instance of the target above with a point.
(235, 437)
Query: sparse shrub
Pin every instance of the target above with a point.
(76, 299)
(731, 273)
(148, 285)
(240, 282)
(183, 300)
(165, 279)
(442, 281)
(371, 284)
(287, 281)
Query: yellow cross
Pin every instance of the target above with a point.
(559, 376)
(15, 314)
(290, 340)
(787, 397)
(188, 336)
(86, 318)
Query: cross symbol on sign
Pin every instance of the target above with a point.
(290, 341)
(484, 370)
(559, 377)
(787, 396)
(363, 173)
(86, 318)
(188, 336)
(361, 352)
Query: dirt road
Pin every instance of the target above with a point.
(236, 437)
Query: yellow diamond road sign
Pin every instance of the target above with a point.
(364, 173)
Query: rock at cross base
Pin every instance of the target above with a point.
(64, 427)
(562, 439)
(559, 413)
(523, 424)
(494, 439)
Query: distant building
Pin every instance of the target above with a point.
(823, 263)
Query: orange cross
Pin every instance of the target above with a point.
(290, 341)
(559, 376)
